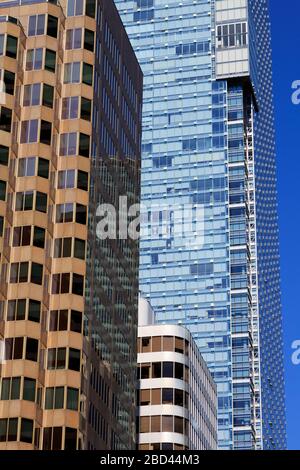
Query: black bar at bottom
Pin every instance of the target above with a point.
(89, 460)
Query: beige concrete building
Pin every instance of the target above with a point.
(177, 397)
(70, 106)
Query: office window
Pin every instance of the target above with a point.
(72, 398)
(19, 272)
(70, 107)
(26, 434)
(56, 358)
(5, 119)
(64, 213)
(32, 95)
(24, 201)
(52, 438)
(36, 273)
(63, 247)
(36, 25)
(61, 283)
(2, 190)
(74, 38)
(76, 321)
(84, 145)
(74, 359)
(87, 74)
(21, 236)
(12, 432)
(29, 389)
(54, 398)
(10, 388)
(66, 179)
(70, 439)
(90, 8)
(167, 424)
(48, 95)
(58, 320)
(15, 388)
(49, 398)
(201, 47)
(1, 225)
(29, 131)
(82, 180)
(4, 155)
(34, 310)
(32, 346)
(77, 284)
(178, 400)
(68, 144)
(89, 39)
(144, 424)
(156, 370)
(75, 7)
(26, 167)
(79, 248)
(34, 59)
(52, 26)
(86, 109)
(232, 35)
(43, 168)
(11, 46)
(167, 396)
(50, 60)
(72, 72)
(16, 310)
(14, 348)
(8, 429)
(46, 132)
(38, 237)
(81, 214)
(143, 15)
(168, 368)
(9, 82)
(41, 202)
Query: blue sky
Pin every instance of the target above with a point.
(286, 66)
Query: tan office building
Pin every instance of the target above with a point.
(70, 112)
(177, 397)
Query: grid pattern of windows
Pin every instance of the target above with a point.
(47, 254)
(232, 35)
(185, 145)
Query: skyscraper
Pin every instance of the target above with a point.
(70, 127)
(208, 143)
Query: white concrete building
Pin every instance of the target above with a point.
(177, 397)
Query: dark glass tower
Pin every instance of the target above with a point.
(208, 142)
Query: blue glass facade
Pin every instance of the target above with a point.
(201, 132)
(268, 261)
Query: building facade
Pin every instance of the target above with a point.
(208, 143)
(71, 92)
(177, 397)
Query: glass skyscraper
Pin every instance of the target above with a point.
(208, 142)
